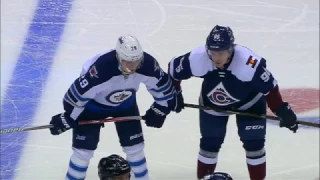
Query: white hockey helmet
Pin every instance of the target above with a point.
(128, 48)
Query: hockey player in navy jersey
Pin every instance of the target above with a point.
(234, 78)
(107, 88)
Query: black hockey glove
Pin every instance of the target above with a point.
(61, 123)
(179, 105)
(289, 118)
(156, 115)
(180, 101)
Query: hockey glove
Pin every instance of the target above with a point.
(288, 117)
(178, 93)
(156, 115)
(61, 123)
(180, 101)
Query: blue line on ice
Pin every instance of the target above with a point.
(29, 77)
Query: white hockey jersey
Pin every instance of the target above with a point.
(102, 87)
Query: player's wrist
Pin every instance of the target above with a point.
(274, 99)
(285, 112)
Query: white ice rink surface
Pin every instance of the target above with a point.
(285, 32)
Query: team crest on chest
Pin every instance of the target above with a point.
(220, 96)
(118, 97)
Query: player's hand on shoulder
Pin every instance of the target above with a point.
(288, 117)
(179, 101)
(61, 123)
(178, 104)
(156, 115)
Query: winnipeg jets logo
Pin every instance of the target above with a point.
(220, 96)
(118, 97)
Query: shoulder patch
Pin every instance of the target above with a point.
(93, 72)
(252, 62)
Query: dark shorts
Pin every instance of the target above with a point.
(129, 132)
(249, 128)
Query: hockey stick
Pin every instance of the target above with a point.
(21, 129)
(116, 119)
(101, 121)
(248, 114)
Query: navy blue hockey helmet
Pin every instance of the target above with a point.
(220, 38)
(111, 166)
(218, 176)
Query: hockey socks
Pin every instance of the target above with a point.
(137, 161)
(256, 162)
(206, 165)
(78, 164)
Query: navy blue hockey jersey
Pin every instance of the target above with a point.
(102, 87)
(238, 86)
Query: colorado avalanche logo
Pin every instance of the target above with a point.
(220, 96)
(119, 96)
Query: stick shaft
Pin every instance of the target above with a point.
(100, 121)
(248, 114)
(21, 129)
(116, 119)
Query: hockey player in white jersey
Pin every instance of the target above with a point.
(107, 88)
(234, 78)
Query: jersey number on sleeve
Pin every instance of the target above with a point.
(83, 82)
(265, 76)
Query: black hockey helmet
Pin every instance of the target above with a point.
(111, 166)
(220, 38)
(218, 176)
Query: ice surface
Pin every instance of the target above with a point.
(285, 32)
